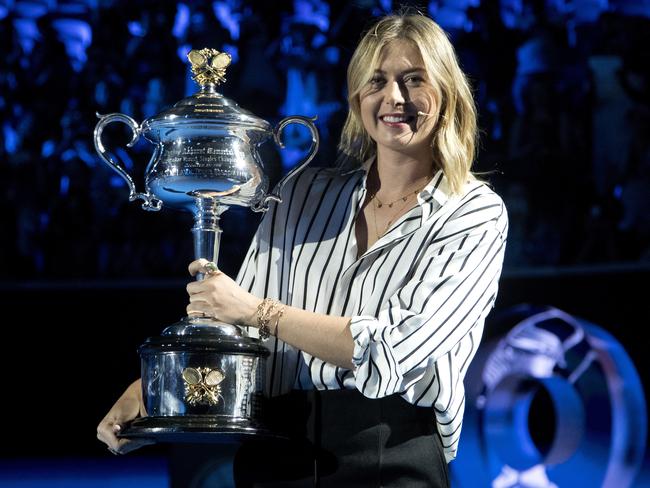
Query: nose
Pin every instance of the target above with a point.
(394, 94)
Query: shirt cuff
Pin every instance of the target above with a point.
(362, 329)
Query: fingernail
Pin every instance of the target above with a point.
(117, 428)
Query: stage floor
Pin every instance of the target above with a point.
(130, 472)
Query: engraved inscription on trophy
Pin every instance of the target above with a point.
(220, 161)
(207, 108)
(208, 157)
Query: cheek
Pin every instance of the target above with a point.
(426, 102)
(369, 110)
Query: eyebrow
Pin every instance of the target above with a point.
(405, 72)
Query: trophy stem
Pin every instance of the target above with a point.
(206, 230)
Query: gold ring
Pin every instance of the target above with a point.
(211, 267)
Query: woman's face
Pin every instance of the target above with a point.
(400, 88)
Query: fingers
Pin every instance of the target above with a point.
(196, 266)
(200, 297)
(209, 285)
(200, 309)
(195, 287)
(200, 306)
(217, 296)
(203, 266)
(128, 445)
(108, 432)
(127, 408)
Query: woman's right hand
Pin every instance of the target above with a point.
(125, 409)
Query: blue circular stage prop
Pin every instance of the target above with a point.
(555, 402)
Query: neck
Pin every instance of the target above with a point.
(395, 172)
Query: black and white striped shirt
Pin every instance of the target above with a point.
(418, 297)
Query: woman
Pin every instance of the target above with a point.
(370, 284)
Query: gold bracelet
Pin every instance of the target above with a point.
(264, 311)
(277, 320)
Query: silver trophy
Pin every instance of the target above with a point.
(203, 379)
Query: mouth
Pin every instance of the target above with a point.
(397, 119)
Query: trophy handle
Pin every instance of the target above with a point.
(263, 205)
(150, 202)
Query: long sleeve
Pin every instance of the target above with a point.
(450, 291)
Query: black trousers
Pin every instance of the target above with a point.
(343, 439)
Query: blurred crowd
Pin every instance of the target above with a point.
(562, 88)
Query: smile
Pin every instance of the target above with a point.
(396, 119)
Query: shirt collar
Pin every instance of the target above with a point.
(367, 164)
(438, 188)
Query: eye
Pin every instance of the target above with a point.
(414, 80)
(377, 80)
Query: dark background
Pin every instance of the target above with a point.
(563, 92)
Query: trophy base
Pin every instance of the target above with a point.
(194, 429)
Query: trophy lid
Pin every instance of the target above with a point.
(206, 109)
(204, 333)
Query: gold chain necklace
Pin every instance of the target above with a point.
(403, 198)
(390, 221)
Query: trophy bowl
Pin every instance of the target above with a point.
(201, 387)
(203, 380)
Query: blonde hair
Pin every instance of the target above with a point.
(455, 135)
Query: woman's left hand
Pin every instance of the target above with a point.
(219, 297)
